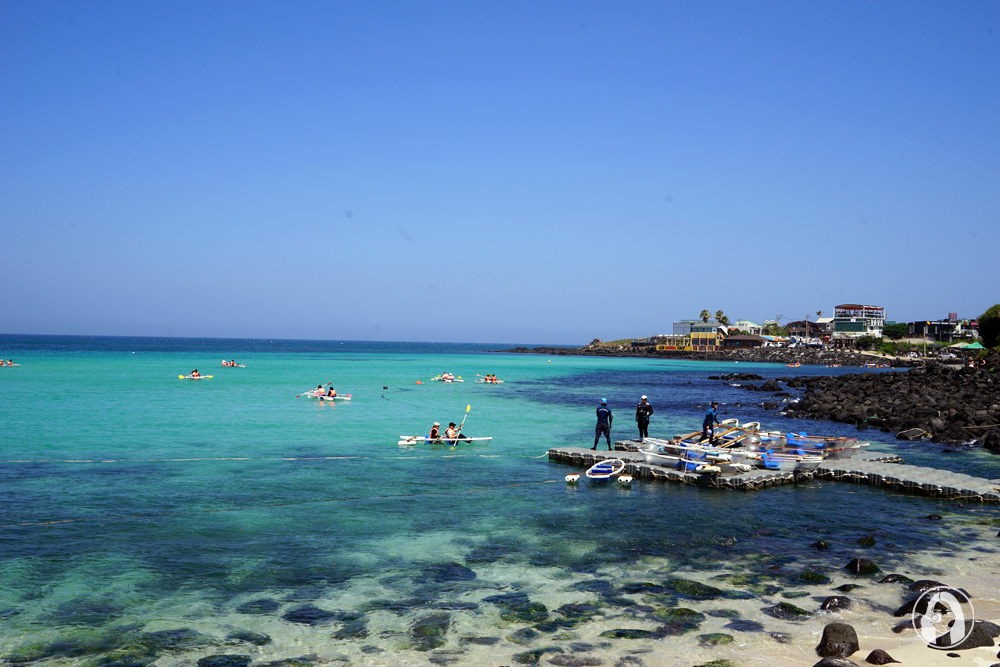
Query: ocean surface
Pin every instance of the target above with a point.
(145, 518)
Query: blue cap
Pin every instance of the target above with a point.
(604, 400)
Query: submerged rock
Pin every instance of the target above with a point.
(444, 572)
(309, 615)
(839, 641)
(694, 589)
(429, 632)
(563, 660)
(532, 657)
(786, 611)
(224, 660)
(260, 606)
(744, 625)
(814, 577)
(628, 633)
(895, 579)
(862, 567)
(715, 639)
(255, 638)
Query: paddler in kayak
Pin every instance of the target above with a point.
(331, 393)
(435, 431)
(195, 373)
(452, 435)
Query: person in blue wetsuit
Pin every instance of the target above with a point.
(604, 419)
(711, 419)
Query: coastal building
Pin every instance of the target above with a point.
(742, 341)
(749, 326)
(854, 320)
(674, 343)
(804, 329)
(708, 336)
(944, 331)
(826, 324)
(683, 328)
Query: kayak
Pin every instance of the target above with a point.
(424, 440)
(345, 397)
(195, 377)
(441, 379)
(489, 381)
(232, 366)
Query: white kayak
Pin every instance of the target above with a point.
(345, 397)
(489, 381)
(195, 377)
(441, 379)
(424, 440)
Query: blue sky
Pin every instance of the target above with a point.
(497, 172)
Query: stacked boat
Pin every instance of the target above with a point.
(736, 449)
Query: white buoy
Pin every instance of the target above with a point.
(572, 478)
(624, 479)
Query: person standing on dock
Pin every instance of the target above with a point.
(642, 414)
(711, 419)
(604, 419)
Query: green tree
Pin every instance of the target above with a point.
(775, 329)
(721, 317)
(819, 314)
(896, 331)
(705, 316)
(868, 343)
(989, 326)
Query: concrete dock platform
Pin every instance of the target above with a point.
(871, 468)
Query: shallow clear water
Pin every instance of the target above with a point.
(133, 502)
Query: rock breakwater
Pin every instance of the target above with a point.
(945, 403)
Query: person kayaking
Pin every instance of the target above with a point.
(195, 373)
(708, 427)
(331, 392)
(452, 435)
(435, 431)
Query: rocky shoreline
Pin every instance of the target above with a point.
(773, 355)
(947, 404)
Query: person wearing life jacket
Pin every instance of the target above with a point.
(331, 392)
(435, 431)
(452, 434)
(195, 373)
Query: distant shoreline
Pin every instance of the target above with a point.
(774, 355)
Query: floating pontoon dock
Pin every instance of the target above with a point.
(871, 468)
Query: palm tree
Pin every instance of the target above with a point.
(705, 316)
(819, 314)
(721, 318)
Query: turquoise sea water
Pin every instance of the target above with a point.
(145, 518)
